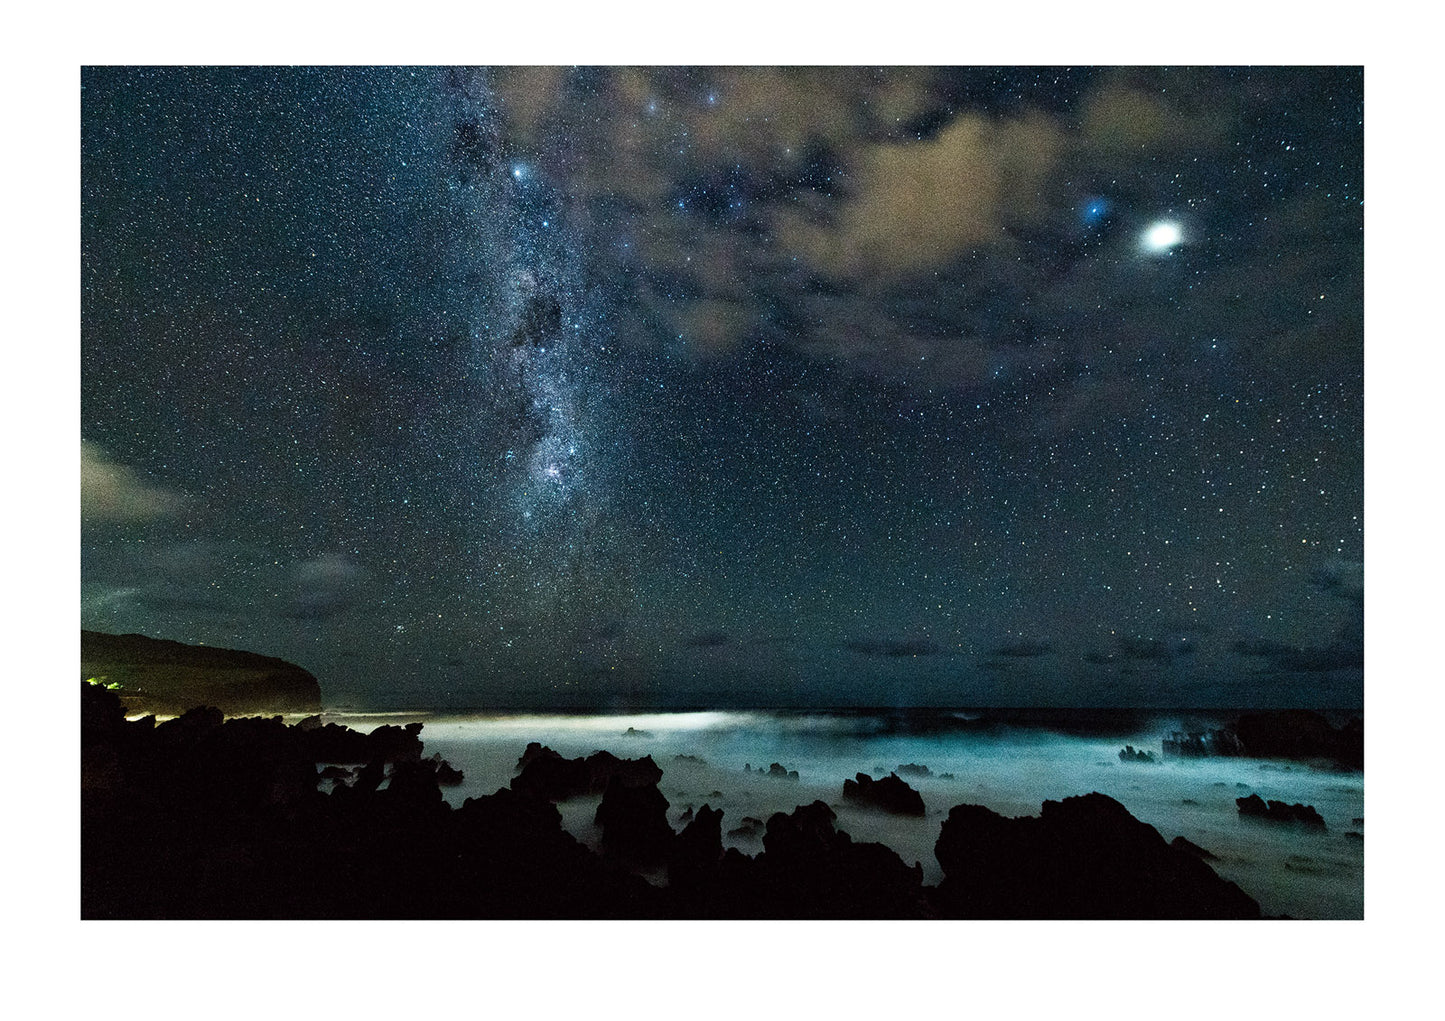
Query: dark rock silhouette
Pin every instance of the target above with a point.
(207, 817)
(1300, 734)
(1130, 754)
(634, 825)
(1083, 857)
(696, 855)
(1185, 844)
(546, 774)
(778, 772)
(447, 775)
(159, 676)
(1202, 744)
(891, 794)
(913, 769)
(748, 829)
(1255, 807)
(810, 869)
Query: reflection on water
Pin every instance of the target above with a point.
(1011, 769)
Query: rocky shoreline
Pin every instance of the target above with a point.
(207, 817)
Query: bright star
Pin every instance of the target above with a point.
(1162, 236)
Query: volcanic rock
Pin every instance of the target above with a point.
(1084, 857)
(891, 794)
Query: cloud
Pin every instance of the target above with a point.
(894, 647)
(1342, 578)
(1341, 654)
(1121, 118)
(1023, 650)
(917, 206)
(1146, 649)
(113, 492)
(325, 587)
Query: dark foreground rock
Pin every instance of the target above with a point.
(1255, 807)
(1303, 735)
(891, 794)
(1185, 844)
(1083, 857)
(544, 773)
(207, 817)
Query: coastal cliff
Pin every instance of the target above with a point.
(167, 678)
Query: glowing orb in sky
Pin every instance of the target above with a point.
(1162, 236)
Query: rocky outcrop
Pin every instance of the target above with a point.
(1083, 858)
(891, 794)
(1189, 846)
(1300, 734)
(913, 769)
(207, 817)
(1131, 754)
(633, 818)
(544, 773)
(165, 677)
(1255, 807)
(1202, 744)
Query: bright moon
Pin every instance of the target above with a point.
(1162, 236)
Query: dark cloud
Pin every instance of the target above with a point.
(1342, 578)
(325, 587)
(894, 647)
(1145, 649)
(707, 640)
(1024, 650)
(1292, 659)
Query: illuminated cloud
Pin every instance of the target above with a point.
(917, 206)
(112, 492)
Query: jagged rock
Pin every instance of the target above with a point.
(634, 822)
(1083, 857)
(1300, 734)
(447, 775)
(778, 772)
(697, 852)
(1130, 754)
(809, 869)
(1201, 744)
(913, 769)
(891, 794)
(1185, 844)
(545, 773)
(748, 829)
(1256, 807)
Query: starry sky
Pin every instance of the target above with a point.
(609, 386)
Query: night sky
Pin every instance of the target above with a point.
(735, 387)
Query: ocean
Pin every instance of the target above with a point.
(1007, 760)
